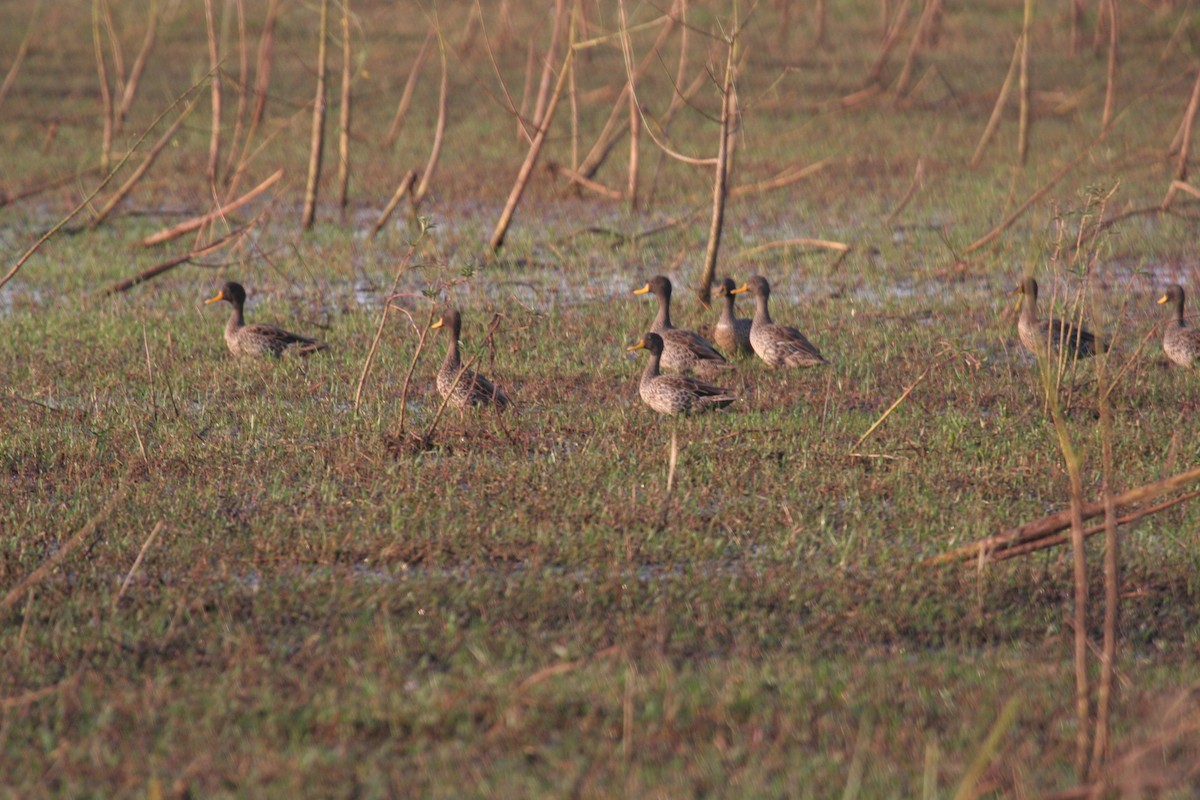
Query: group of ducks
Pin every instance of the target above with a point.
(694, 361)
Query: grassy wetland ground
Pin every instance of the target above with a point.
(218, 579)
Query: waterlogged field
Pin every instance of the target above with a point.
(241, 578)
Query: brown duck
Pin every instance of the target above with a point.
(471, 389)
(683, 351)
(675, 394)
(256, 339)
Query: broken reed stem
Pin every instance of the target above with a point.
(22, 50)
(997, 110)
(786, 178)
(409, 86)
(588, 183)
(875, 74)
(318, 127)
(137, 562)
(721, 175)
(106, 103)
(214, 63)
(918, 181)
(439, 133)
(523, 128)
(139, 66)
(995, 547)
(83, 534)
(635, 119)
(1112, 574)
(406, 183)
(343, 176)
(142, 168)
(170, 264)
(1076, 20)
(1023, 86)
(539, 107)
(914, 47)
(243, 89)
(87, 201)
(995, 232)
(387, 307)
(1110, 91)
(262, 67)
(9, 199)
(535, 147)
(114, 45)
(824, 244)
(903, 396)
(195, 223)
(1185, 135)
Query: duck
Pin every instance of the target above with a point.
(257, 340)
(780, 346)
(471, 389)
(731, 333)
(675, 394)
(1062, 336)
(1180, 343)
(683, 351)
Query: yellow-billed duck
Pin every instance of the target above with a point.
(472, 389)
(778, 345)
(731, 333)
(683, 351)
(257, 339)
(1060, 334)
(1180, 343)
(675, 394)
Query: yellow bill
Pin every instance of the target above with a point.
(220, 296)
(437, 324)
(641, 345)
(745, 287)
(642, 290)
(1163, 299)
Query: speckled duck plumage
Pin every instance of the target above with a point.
(471, 389)
(1180, 343)
(683, 351)
(256, 340)
(780, 346)
(675, 394)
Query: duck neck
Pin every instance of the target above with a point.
(662, 322)
(761, 315)
(1029, 307)
(651, 370)
(727, 310)
(237, 319)
(1179, 323)
(452, 360)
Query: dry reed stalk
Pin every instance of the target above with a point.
(195, 223)
(106, 102)
(243, 90)
(729, 114)
(523, 128)
(139, 66)
(87, 201)
(387, 306)
(406, 183)
(232, 237)
(142, 168)
(914, 46)
(1110, 91)
(343, 176)
(114, 46)
(1112, 577)
(573, 93)
(822, 24)
(612, 132)
(994, 547)
(439, 133)
(1023, 88)
(824, 244)
(137, 562)
(214, 63)
(9, 199)
(1055, 540)
(588, 183)
(1178, 186)
(785, 178)
(539, 107)
(1076, 20)
(37, 695)
(1033, 198)
(318, 127)
(918, 182)
(783, 32)
(511, 106)
(466, 42)
(535, 147)
(635, 121)
(1098, 31)
(422, 338)
(79, 537)
(994, 120)
(677, 97)
(262, 66)
(22, 50)
(1183, 139)
(903, 396)
(875, 73)
(409, 86)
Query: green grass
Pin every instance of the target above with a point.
(522, 609)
